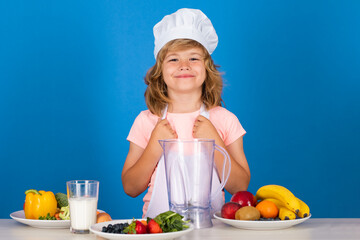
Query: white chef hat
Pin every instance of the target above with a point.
(185, 23)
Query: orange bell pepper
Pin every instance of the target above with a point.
(39, 204)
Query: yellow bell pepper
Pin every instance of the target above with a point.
(39, 204)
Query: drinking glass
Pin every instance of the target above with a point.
(83, 198)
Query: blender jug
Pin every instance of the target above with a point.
(190, 173)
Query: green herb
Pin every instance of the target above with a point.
(171, 222)
(131, 228)
(48, 217)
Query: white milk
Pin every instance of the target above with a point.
(82, 212)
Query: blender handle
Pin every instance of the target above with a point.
(224, 178)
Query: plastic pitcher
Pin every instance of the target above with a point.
(189, 167)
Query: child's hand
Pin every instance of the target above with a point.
(163, 130)
(203, 128)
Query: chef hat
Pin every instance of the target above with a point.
(185, 23)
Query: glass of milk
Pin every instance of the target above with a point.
(83, 197)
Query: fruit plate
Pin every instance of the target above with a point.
(96, 229)
(20, 217)
(261, 225)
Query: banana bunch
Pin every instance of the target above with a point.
(289, 206)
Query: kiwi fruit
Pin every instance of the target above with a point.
(247, 213)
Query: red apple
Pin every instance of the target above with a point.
(244, 198)
(229, 209)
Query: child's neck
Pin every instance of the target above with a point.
(184, 105)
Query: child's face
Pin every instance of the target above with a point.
(184, 71)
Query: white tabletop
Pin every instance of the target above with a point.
(314, 228)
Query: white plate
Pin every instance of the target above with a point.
(261, 225)
(96, 228)
(20, 217)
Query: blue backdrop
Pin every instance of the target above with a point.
(71, 84)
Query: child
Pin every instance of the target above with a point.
(184, 101)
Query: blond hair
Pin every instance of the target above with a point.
(156, 94)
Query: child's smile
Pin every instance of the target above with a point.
(185, 76)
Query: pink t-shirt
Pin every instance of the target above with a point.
(225, 122)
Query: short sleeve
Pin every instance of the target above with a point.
(227, 125)
(234, 129)
(141, 129)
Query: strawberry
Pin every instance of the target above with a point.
(140, 228)
(154, 227)
(135, 227)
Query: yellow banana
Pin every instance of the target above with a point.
(280, 193)
(304, 209)
(277, 202)
(286, 214)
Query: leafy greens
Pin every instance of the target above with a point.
(171, 221)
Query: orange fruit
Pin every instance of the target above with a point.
(267, 209)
